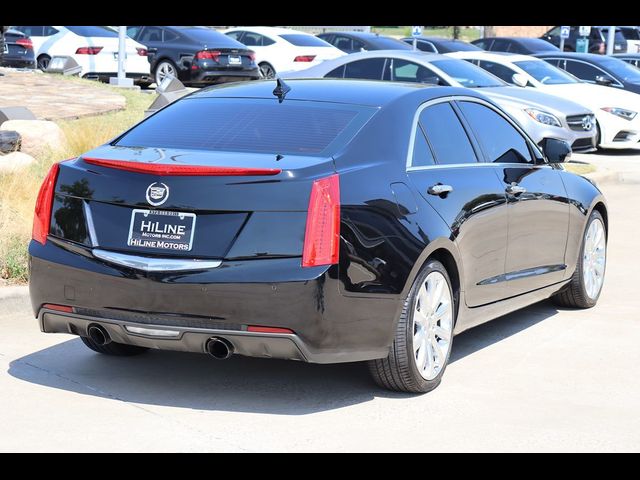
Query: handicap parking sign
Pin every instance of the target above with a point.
(416, 31)
(564, 31)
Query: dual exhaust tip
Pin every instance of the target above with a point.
(218, 348)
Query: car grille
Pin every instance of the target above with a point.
(578, 122)
(582, 144)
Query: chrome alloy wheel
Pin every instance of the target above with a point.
(164, 69)
(594, 258)
(432, 325)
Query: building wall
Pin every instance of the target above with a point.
(515, 31)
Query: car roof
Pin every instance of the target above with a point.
(375, 93)
(357, 34)
(496, 56)
(436, 39)
(579, 56)
(270, 30)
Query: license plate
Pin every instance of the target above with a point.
(162, 230)
(617, 47)
(235, 60)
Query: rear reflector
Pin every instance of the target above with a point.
(25, 43)
(322, 235)
(180, 170)
(44, 201)
(88, 50)
(255, 328)
(59, 308)
(304, 58)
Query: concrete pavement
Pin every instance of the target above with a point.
(541, 379)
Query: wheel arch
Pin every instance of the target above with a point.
(602, 209)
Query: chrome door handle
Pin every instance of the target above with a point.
(439, 189)
(515, 189)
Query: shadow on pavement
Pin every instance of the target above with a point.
(239, 384)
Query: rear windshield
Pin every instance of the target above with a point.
(211, 38)
(255, 125)
(300, 40)
(93, 31)
(384, 43)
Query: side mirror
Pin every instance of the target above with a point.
(604, 80)
(556, 150)
(520, 80)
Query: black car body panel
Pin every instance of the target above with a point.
(631, 58)
(440, 45)
(601, 69)
(19, 50)
(518, 45)
(502, 251)
(351, 42)
(180, 45)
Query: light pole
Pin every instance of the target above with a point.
(121, 80)
(611, 38)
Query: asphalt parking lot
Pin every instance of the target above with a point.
(542, 379)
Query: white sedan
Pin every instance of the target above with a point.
(283, 49)
(94, 48)
(616, 110)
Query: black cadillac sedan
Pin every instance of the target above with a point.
(195, 55)
(17, 50)
(323, 221)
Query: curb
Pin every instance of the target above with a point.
(14, 292)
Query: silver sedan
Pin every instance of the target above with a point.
(540, 114)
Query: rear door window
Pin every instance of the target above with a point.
(151, 34)
(406, 71)
(446, 135)
(369, 69)
(501, 142)
(336, 72)
(256, 125)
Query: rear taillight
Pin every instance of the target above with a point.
(88, 50)
(304, 58)
(142, 51)
(25, 43)
(252, 56)
(208, 55)
(322, 235)
(42, 216)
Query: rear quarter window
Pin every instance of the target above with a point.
(91, 31)
(300, 40)
(256, 125)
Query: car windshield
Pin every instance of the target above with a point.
(92, 31)
(302, 40)
(468, 75)
(545, 73)
(622, 70)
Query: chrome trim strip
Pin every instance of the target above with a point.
(90, 225)
(529, 272)
(153, 264)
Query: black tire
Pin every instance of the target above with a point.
(43, 62)
(113, 348)
(398, 371)
(267, 70)
(10, 141)
(575, 295)
(144, 85)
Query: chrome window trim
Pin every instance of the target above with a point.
(155, 264)
(93, 236)
(462, 98)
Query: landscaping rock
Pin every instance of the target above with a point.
(15, 161)
(9, 141)
(37, 135)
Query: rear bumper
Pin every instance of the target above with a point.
(328, 327)
(18, 62)
(104, 77)
(208, 76)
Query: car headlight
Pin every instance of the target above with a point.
(543, 117)
(621, 112)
